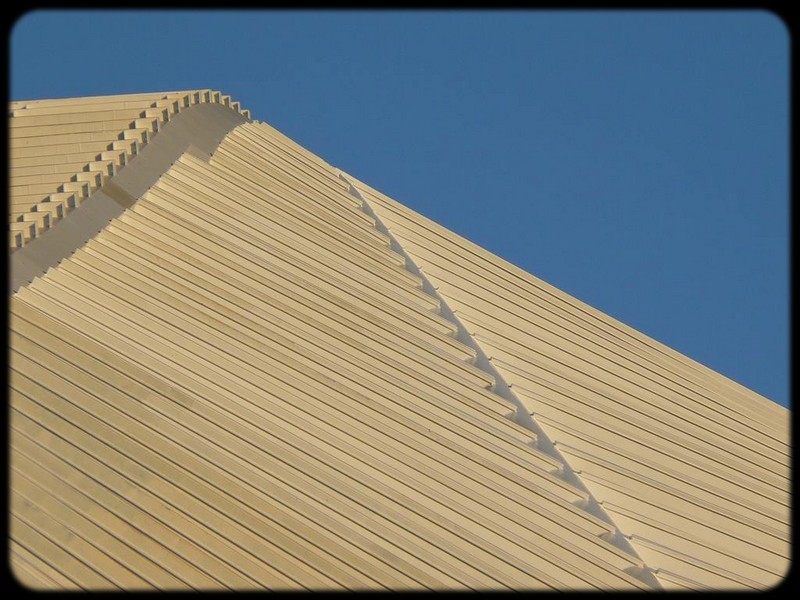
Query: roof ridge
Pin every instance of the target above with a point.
(543, 443)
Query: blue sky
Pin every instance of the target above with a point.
(636, 160)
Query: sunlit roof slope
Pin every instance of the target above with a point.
(693, 467)
(233, 366)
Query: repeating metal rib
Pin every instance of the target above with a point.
(261, 373)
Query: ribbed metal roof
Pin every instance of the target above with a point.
(263, 373)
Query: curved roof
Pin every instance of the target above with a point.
(234, 366)
(62, 150)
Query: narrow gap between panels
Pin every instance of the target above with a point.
(521, 416)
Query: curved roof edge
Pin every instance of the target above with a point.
(198, 130)
(145, 123)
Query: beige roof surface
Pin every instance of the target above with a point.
(233, 366)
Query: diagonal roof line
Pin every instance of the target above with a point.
(521, 416)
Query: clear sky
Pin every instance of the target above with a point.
(636, 160)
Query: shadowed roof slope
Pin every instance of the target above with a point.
(234, 366)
